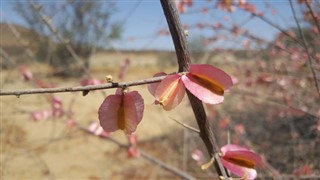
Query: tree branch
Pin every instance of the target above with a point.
(144, 155)
(305, 46)
(177, 34)
(277, 27)
(316, 22)
(186, 126)
(183, 57)
(53, 30)
(82, 88)
(21, 40)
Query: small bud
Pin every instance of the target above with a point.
(186, 32)
(109, 78)
(125, 90)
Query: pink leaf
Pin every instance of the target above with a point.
(71, 123)
(201, 92)
(303, 170)
(207, 83)
(41, 115)
(57, 107)
(239, 171)
(98, 131)
(197, 155)
(153, 87)
(121, 111)
(211, 73)
(133, 109)
(124, 68)
(108, 113)
(26, 73)
(240, 160)
(132, 138)
(133, 151)
(170, 92)
(239, 129)
(244, 158)
(92, 127)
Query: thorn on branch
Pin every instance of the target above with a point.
(186, 126)
(85, 92)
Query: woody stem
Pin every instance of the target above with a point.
(183, 56)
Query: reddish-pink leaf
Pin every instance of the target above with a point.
(240, 160)
(124, 68)
(304, 170)
(211, 73)
(133, 139)
(197, 155)
(71, 123)
(243, 158)
(232, 150)
(239, 171)
(26, 73)
(98, 131)
(239, 129)
(202, 93)
(153, 86)
(133, 151)
(133, 110)
(121, 111)
(108, 113)
(57, 107)
(41, 115)
(92, 127)
(207, 83)
(170, 92)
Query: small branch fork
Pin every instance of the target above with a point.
(183, 56)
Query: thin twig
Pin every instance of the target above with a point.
(82, 88)
(183, 57)
(277, 27)
(316, 22)
(5, 55)
(305, 46)
(270, 100)
(17, 34)
(186, 126)
(53, 30)
(145, 155)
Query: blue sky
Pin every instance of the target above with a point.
(144, 18)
